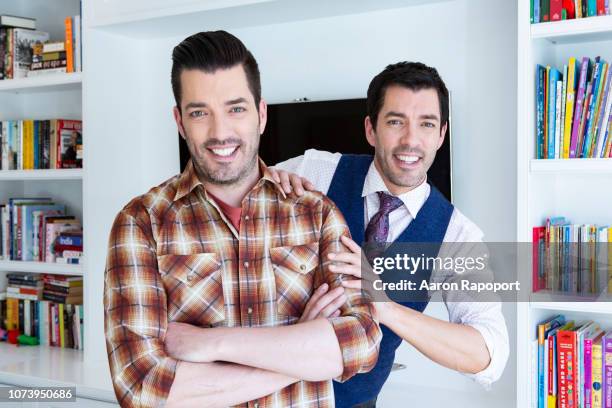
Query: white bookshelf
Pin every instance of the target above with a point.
(573, 166)
(41, 267)
(43, 83)
(46, 97)
(42, 174)
(574, 188)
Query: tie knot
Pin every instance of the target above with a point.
(388, 202)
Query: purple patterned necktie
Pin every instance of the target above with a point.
(378, 227)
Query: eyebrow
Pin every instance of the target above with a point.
(235, 101)
(401, 115)
(191, 105)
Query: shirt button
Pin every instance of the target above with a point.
(302, 267)
(246, 264)
(250, 310)
(189, 278)
(256, 405)
(246, 217)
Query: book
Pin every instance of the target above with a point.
(607, 369)
(584, 71)
(555, 10)
(18, 22)
(69, 44)
(70, 139)
(23, 40)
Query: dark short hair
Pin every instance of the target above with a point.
(210, 51)
(412, 75)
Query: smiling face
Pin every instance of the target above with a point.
(220, 123)
(407, 135)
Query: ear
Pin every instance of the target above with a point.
(263, 115)
(370, 132)
(442, 135)
(179, 121)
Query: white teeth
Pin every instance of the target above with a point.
(224, 152)
(408, 159)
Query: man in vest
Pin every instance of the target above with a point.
(386, 198)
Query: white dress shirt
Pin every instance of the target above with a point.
(486, 317)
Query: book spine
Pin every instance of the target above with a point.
(558, 113)
(584, 67)
(552, 115)
(68, 41)
(541, 72)
(607, 371)
(569, 106)
(588, 372)
(566, 348)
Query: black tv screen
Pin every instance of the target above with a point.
(335, 126)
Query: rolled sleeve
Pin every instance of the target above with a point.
(358, 334)
(492, 327)
(135, 315)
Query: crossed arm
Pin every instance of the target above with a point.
(153, 362)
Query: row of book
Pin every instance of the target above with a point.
(51, 322)
(570, 258)
(54, 288)
(542, 11)
(38, 229)
(41, 144)
(25, 52)
(574, 364)
(574, 110)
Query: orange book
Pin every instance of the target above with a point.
(68, 45)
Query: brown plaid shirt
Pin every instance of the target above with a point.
(174, 256)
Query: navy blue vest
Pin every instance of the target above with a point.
(429, 227)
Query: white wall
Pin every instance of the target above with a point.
(471, 42)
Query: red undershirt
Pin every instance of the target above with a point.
(232, 213)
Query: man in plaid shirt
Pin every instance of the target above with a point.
(208, 274)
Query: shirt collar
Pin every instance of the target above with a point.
(188, 180)
(413, 199)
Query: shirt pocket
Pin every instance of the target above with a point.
(294, 277)
(194, 288)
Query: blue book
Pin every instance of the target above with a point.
(553, 77)
(536, 11)
(544, 329)
(588, 134)
(69, 240)
(540, 83)
(27, 227)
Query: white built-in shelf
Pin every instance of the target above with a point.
(574, 31)
(51, 174)
(158, 18)
(573, 166)
(579, 307)
(43, 83)
(44, 366)
(41, 267)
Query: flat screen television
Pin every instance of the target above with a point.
(335, 126)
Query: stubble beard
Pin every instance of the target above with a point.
(225, 175)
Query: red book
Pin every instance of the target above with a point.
(556, 9)
(601, 7)
(568, 5)
(566, 369)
